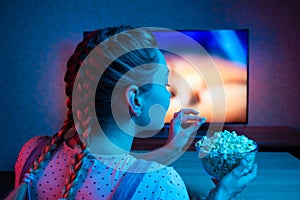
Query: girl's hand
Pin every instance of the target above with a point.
(180, 138)
(235, 181)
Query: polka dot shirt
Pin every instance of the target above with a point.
(102, 176)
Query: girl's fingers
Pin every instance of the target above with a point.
(189, 111)
(190, 118)
(251, 176)
(238, 171)
(186, 111)
(203, 120)
(192, 128)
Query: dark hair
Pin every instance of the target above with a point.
(116, 69)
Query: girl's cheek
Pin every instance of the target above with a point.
(166, 100)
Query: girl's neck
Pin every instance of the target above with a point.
(111, 144)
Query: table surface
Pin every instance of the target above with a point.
(278, 176)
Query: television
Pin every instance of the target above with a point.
(208, 71)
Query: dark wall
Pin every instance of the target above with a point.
(37, 38)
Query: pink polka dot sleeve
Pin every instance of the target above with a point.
(23, 155)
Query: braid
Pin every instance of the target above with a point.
(76, 171)
(73, 66)
(90, 41)
(58, 139)
(85, 121)
(49, 150)
(84, 128)
(21, 191)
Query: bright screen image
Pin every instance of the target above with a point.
(226, 72)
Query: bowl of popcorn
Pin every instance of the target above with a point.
(224, 151)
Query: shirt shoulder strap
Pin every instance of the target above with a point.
(132, 179)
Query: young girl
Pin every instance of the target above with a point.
(89, 157)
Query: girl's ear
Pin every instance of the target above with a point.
(134, 100)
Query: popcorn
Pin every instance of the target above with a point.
(224, 151)
(226, 143)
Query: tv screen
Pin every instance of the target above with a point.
(211, 77)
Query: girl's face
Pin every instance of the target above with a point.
(157, 98)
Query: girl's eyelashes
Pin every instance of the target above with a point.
(169, 88)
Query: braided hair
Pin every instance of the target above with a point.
(103, 109)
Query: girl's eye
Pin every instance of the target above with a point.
(169, 88)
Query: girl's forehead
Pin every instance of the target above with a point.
(162, 63)
(161, 75)
(161, 58)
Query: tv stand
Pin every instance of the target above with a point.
(279, 139)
